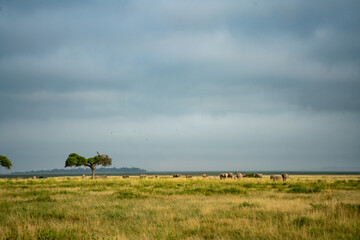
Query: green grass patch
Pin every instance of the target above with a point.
(44, 234)
(129, 195)
(248, 205)
(353, 208)
(44, 199)
(302, 188)
(302, 221)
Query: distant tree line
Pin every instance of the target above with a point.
(85, 170)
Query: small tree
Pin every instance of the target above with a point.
(5, 162)
(76, 160)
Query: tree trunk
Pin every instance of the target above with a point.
(93, 172)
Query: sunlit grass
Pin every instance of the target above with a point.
(305, 207)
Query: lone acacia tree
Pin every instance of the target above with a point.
(5, 162)
(76, 160)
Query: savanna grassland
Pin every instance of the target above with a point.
(304, 207)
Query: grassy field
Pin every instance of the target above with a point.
(304, 207)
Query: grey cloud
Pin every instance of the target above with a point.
(197, 142)
(91, 61)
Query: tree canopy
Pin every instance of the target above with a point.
(77, 160)
(5, 162)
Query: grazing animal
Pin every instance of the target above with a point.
(188, 176)
(223, 175)
(156, 176)
(285, 176)
(275, 177)
(125, 176)
(176, 175)
(204, 175)
(101, 176)
(83, 176)
(34, 177)
(143, 176)
(238, 175)
(258, 175)
(230, 175)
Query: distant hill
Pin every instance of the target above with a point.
(84, 170)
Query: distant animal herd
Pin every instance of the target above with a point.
(223, 176)
(227, 175)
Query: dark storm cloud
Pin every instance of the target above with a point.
(200, 65)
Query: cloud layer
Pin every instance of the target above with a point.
(202, 85)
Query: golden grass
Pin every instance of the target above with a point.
(305, 207)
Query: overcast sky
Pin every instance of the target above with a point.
(181, 85)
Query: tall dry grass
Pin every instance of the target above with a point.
(305, 207)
